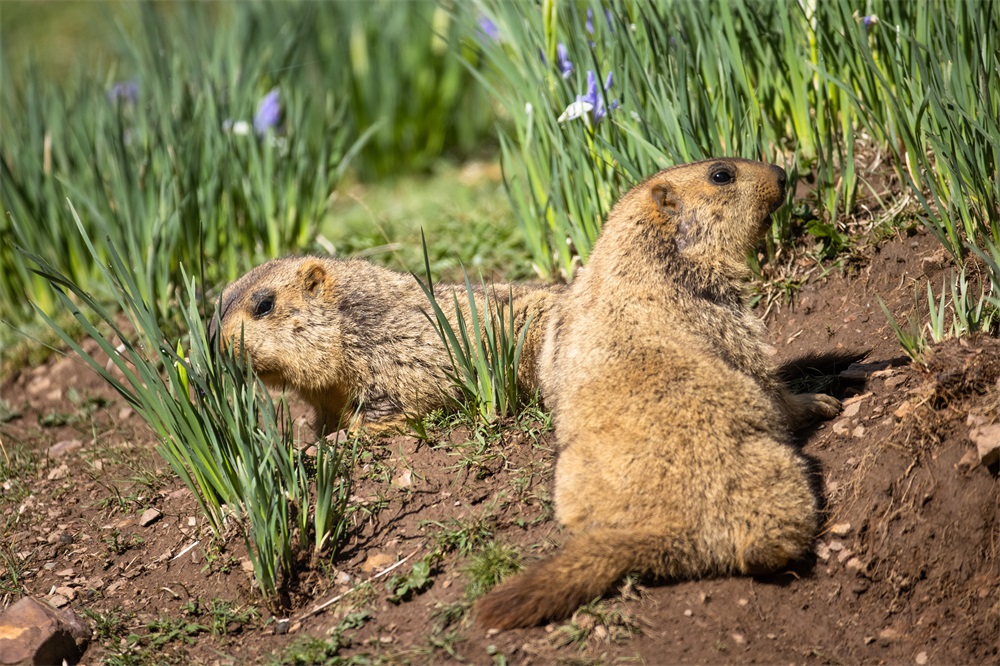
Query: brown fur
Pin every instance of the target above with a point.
(350, 336)
(674, 431)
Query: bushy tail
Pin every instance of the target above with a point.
(588, 566)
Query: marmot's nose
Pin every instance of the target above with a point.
(780, 174)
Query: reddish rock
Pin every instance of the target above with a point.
(32, 632)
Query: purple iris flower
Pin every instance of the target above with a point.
(592, 101)
(565, 66)
(124, 90)
(268, 113)
(596, 99)
(868, 20)
(489, 28)
(590, 21)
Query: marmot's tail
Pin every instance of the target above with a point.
(587, 567)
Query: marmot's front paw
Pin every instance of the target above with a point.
(823, 406)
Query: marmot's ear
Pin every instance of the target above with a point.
(313, 275)
(665, 199)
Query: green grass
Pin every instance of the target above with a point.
(464, 214)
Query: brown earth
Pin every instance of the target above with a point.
(907, 569)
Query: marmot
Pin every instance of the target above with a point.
(674, 433)
(349, 336)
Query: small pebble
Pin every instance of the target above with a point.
(921, 658)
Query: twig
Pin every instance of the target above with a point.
(337, 598)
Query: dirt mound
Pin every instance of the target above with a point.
(906, 570)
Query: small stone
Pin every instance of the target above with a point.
(739, 639)
(705, 597)
(312, 451)
(58, 600)
(342, 578)
(58, 473)
(851, 410)
(148, 517)
(841, 426)
(743, 602)
(823, 551)
(62, 448)
(888, 634)
(295, 627)
(192, 521)
(836, 546)
(903, 410)
(987, 441)
(601, 632)
(858, 432)
(281, 626)
(67, 592)
(921, 658)
(869, 640)
(39, 386)
(32, 632)
(844, 555)
(377, 561)
(404, 480)
(893, 382)
(968, 461)
(688, 612)
(840, 529)
(66, 573)
(772, 636)
(54, 395)
(246, 565)
(854, 564)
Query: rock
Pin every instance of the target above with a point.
(888, 635)
(840, 529)
(841, 426)
(858, 432)
(903, 410)
(32, 632)
(404, 480)
(58, 600)
(739, 639)
(58, 473)
(149, 516)
(823, 551)
(987, 441)
(968, 461)
(67, 592)
(836, 546)
(281, 626)
(63, 447)
(39, 386)
(377, 561)
(844, 555)
(851, 410)
(921, 658)
(688, 612)
(854, 564)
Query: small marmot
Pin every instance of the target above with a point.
(674, 432)
(351, 337)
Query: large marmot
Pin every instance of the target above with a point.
(674, 432)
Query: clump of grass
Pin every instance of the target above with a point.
(484, 346)
(489, 566)
(217, 426)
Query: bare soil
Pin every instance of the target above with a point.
(907, 569)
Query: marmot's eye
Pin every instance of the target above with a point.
(263, 307)
(723, 176)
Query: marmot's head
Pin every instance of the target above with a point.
(714, 210)
(277, 310)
